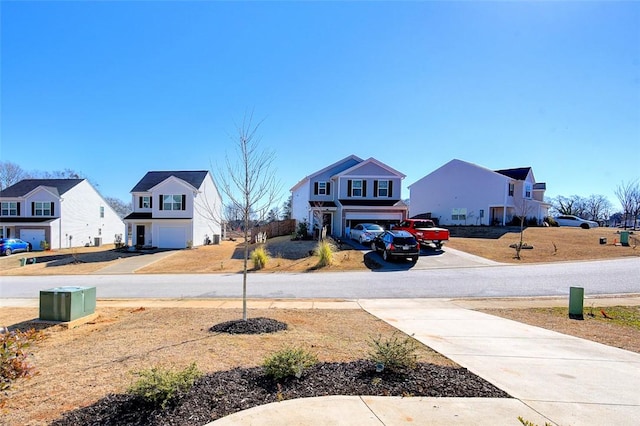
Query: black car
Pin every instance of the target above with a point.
(394, 244)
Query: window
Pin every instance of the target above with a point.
(322, 188)
(9, 208)
(527, 190)
(172, 202)
(145, 202)
(383, 188)
(511, 189)
(101, 211)
(356, 188)
(42, 208)
(458, 214)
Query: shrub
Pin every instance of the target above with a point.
(159, 386)
(288, 362)
(13, 356)
(551, 221)
(325, 250)
(394, 353)
(303, 228)
(259, 257)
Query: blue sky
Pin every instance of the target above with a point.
(114, 89)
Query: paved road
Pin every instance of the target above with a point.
(597, 277)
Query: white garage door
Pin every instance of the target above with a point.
(172, 237)
(33, 236)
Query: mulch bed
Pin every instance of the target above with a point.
(219, 394)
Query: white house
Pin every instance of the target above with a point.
(349, 192)
(462, 193)
(175, 209)
(61, 212)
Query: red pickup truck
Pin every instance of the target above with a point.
(425, 231)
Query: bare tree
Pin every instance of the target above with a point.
(10, 173)
(629, 196)
(522, 211)
(249, 184)
(597, 207)
(120, 207)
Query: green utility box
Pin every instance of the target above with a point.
(67, 303)
(624, 238)
(576, 303)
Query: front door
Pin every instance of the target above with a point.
(327, 219)
(140, 235)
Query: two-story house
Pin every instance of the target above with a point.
(349, 192)
(62, 213)
(463, 193)
(175, 209)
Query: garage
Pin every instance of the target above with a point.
(33, 236)
(384, 219)
(172, 237)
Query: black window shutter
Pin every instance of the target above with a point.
(328, 188)
(33, 208)
(160, 197)
(150, 202)
(140, 202)
(315, 188)
(52, 204)
(375, 188)
(390, 188)
(364, 188)
(184, 202)
(349, 188)
(18, 208)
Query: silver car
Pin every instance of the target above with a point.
(571, 220)
(365, 232)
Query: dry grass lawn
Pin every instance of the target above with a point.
(549, 245)
(77, 367)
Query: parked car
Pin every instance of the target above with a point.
(570, 220)
(394, 244)
(425, 231)
(365, 232)
(13, 245)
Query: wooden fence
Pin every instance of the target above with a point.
(274, 229)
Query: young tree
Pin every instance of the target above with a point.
(249, 184)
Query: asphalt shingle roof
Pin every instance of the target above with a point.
(151, 179)
(517, 174)
(25, 186)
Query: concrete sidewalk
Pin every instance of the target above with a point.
(554, 378)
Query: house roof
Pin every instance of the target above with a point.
(151, 179)
(370, 160)
(56, 186)
(350, 159)
(517, 174)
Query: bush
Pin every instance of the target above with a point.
(259, 257)
(288, 362)
(394, 353)
(324, 251)
(13, 356)
(160, 386)
(551, 221)
(303, 228)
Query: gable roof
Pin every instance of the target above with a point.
(517, 174)
(25, 186)
(370, 160)
(350, 160)
(151, 179)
